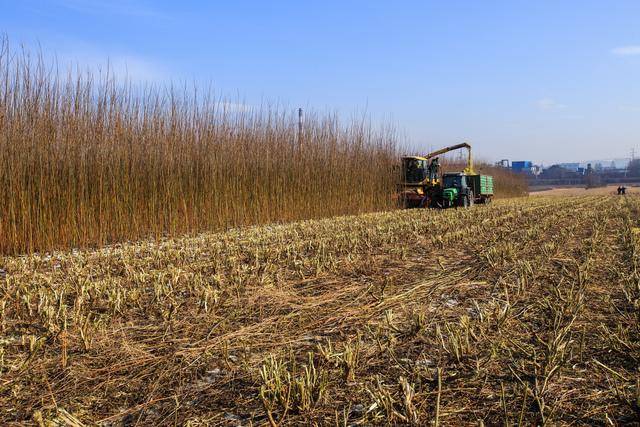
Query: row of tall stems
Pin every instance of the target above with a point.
(87, 159)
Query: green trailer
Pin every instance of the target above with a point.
(482, 186)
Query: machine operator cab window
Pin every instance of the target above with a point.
(415, 170)
(454, 181)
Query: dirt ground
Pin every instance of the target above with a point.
(581, 191)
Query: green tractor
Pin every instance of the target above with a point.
(456, 191)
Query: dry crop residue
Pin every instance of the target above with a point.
(525, 311)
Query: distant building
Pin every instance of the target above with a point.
(522, 166)
(573, 167)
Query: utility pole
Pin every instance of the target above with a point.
(300, 127)
(633, 157)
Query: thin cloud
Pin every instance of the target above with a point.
(117, 7)
(76, 57)
(626, 50)
(137, 68)
(549, 104)
(123, 66)
(629, 108)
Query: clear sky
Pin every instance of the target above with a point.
(538, 80)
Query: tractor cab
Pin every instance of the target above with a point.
(455, 180)
(456, 190)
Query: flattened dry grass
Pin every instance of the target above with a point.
(524, 311)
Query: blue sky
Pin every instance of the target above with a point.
(541, 80)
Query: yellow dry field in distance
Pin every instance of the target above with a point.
(582, 191)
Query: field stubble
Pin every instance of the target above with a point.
(525, 311)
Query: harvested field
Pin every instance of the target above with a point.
(525, 311)
(581, 191)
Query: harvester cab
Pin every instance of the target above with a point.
(420, 171)
(420, 176)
